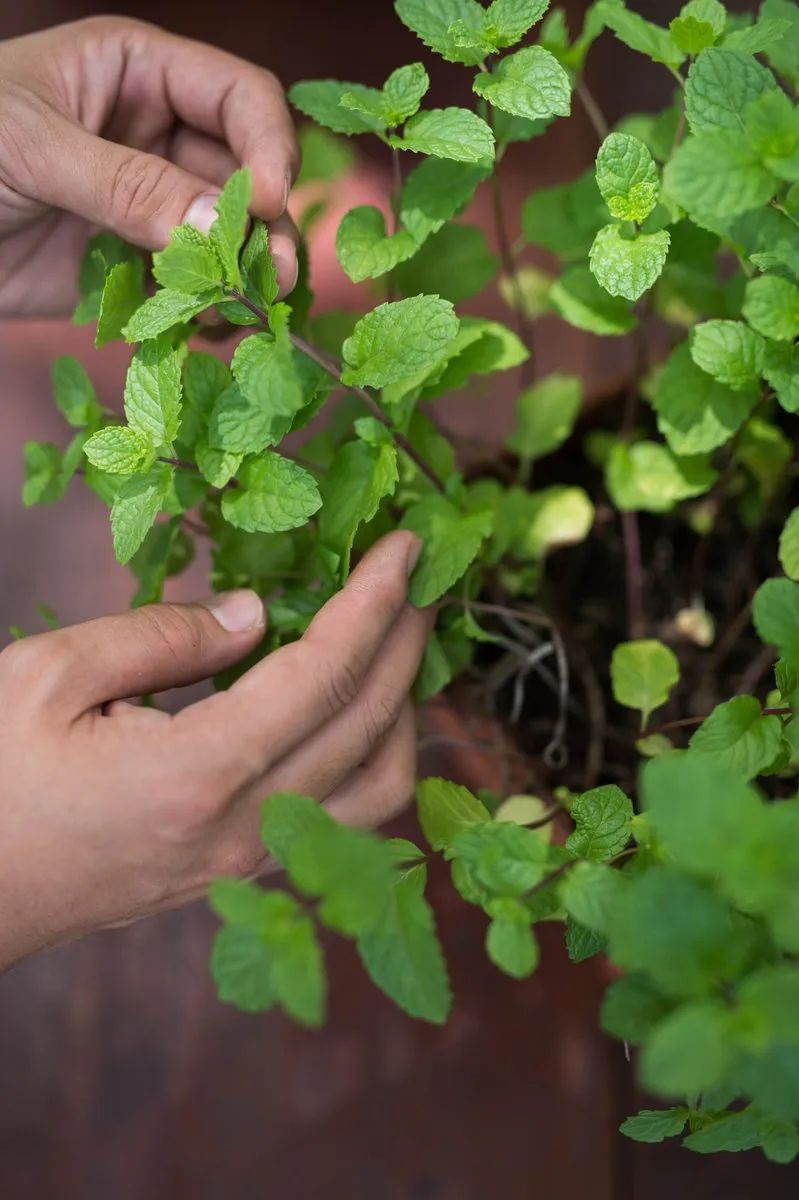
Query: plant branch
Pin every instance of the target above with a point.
(332, 368)
(510, 268)
(633, 574)
(592, 110)
(688, 722)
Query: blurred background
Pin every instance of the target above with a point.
(121, 1077)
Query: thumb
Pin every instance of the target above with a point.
(139, 196)
(153, 648)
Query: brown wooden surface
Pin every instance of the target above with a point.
(121, 1077)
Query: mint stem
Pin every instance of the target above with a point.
(332, 368)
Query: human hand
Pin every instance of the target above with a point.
(113, 122)
(111, 811)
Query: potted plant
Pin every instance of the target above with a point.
(643, 560)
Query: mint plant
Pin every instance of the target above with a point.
(680, 859)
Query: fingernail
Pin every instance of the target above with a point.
(413, 554)
(288, 274)
(237, 612)
(201, 213)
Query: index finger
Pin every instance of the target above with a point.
(228, 98)
(291, 693)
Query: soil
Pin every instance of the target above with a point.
(584, 594)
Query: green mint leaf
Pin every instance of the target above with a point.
(451, 541)
(771, 306)
(603, 823)
(558, 516)
(205, 377)
(509, 20)
(545, 416)
(75, 396)
(403, 92)
(647, 477)
(103, 252)
(736, 1131)
(267, 953)
(507, 860)
(738, 735)
(117, 449)
(627, 266)
(530, 83)
(454, 263)
(123, 293)
(43, 474)
(639, 34)
(643, 674)
(435, 191)
(433, 21)
(689, 1052)
(565, 218)
(718, 175)
(189, 263)
(216, 466)
(582, 943)
(135, 508)
(230, 227)
(655, 1125)
(321, 100)
(510, 942)
(695, 412)
(781, 372)
(771, 124)
(361, 475)
(631, 1007)
(241, 967)
(592, 893)
(351, 872)
(265, 371)
(397, 339)
(454, 133)
(779, 1140)
(580, 300)
(239, 425)
(789, 545)
(153, 392)
(768, 34)
(164, 310)
(720, 86)
(729, 351)
(402, 955)
(274, 494)
(287, 817)
(627, 177)
(324, 157)
(776, 617)
(691, 35)
(165, 551)
(258, 268)
(365, 250)
(784, 54)
(680, 933)
(446, 809)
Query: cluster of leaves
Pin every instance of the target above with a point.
(691, 214)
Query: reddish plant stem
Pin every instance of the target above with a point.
(592, 110)
(332, 368)
(687, 722)
(633, 575)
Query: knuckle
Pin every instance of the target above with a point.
(379, 714)
(139, 188)
(175, 629)
(237, 856)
